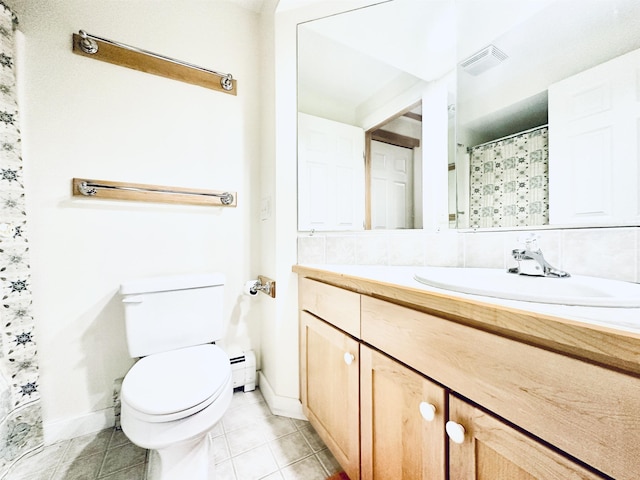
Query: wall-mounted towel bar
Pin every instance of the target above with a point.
(151, 193)
(118, 53)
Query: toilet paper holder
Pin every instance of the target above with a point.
(265, 285)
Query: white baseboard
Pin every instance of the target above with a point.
(283, 406)
(76, 427)
(95, 421)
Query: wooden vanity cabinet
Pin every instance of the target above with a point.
(396, 393)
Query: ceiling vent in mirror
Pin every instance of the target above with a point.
(483, 60)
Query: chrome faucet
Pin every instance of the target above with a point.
(532, 262)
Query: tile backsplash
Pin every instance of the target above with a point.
(599, 252)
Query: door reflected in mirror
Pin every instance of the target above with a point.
(393, 173)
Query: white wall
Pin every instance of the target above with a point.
(278, 230)
(85, 118)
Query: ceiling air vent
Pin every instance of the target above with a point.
(483, 60)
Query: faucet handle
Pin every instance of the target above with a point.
(530, 241)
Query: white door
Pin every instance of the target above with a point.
(392, 203)
(330, 175)
(594, 138)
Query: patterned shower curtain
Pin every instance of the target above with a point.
(509, 181)
(20, 413)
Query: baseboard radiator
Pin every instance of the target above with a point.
(243, 369)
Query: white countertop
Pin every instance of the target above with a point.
(619, 318)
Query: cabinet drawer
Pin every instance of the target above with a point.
(585, 410)
(334, 305)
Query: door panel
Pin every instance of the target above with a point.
(330, 389)
(392, 204)
(492, 450)
(398, 442)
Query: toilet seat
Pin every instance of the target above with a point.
(173, 385)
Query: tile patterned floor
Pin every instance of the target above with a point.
(249, 443)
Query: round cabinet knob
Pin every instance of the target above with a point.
(428, 411)
(349, 358)
(455, 431)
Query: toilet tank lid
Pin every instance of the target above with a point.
(171, 282)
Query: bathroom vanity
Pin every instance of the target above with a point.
(403, 381)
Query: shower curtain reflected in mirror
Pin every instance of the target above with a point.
(509, 181)
(20, 412)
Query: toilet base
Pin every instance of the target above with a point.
(184, 447)
(193, 460)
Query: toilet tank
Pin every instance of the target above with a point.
(171, 312)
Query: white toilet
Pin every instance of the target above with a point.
(182, 386)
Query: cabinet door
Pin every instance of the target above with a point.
(482, 447)
(403, 417)
(330, 389)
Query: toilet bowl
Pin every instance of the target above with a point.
(170, 403)
(182, 384)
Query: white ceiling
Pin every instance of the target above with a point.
(546, 40)
(376, 52)
(414, 36)
(561, 39)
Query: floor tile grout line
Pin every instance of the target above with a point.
(278, 467)
(306, 457)
(120, 470)
(106, 451)
(233, 466)
(226, 442)
(313, 453)
(324, 468)
(58, 463)
(265, 441)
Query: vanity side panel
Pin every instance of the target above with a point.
(339, 307)
(585, 410)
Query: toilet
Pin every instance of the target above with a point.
(182, 385)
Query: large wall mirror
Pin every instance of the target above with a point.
(369, 81)
(501, 114)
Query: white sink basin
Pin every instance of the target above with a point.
(497, 283)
